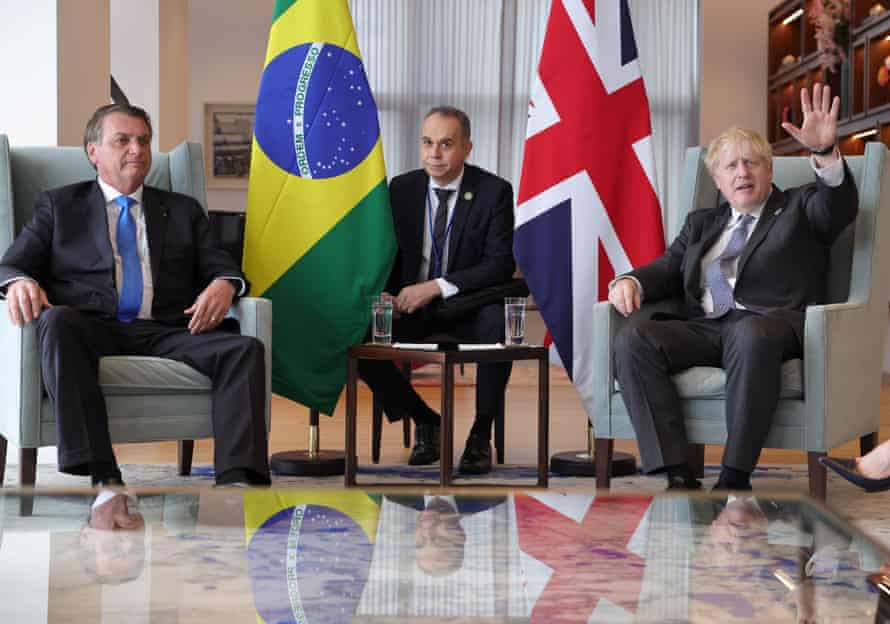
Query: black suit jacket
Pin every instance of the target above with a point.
(480, 244)
(65, 247)
(784, 265)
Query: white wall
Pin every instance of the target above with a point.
(28, 66)
(226, 48)
(734, 65)
(135, 54)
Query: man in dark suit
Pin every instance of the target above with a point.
(745, 271)
(113, 267)
(454, 229)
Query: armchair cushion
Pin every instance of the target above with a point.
(132, 374)
(709, 382)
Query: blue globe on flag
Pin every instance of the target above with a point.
(315, 116)
(308, 563)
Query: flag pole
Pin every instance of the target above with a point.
(581, 463)
(313, 462)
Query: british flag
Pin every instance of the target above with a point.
(587, 207)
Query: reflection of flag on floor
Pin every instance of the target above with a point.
(587, 207)
(309, 553)
(576, 556)
(319, 239)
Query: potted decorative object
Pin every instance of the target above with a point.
(831, 22)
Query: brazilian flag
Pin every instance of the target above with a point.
(319, 237)
(309, 553)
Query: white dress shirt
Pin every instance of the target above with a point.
(430, 206)
(113, 210)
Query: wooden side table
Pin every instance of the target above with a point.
(447, 360)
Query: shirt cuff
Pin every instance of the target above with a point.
(239, 290)
(106, 494)
(630, 277)
(833, 174)
(448, 289)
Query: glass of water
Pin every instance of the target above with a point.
(381, 319)
(514, 318)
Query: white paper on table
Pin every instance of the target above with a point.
(480, 347)
(416, 346)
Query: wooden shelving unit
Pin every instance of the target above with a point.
(794, 63)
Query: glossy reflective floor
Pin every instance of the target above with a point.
(331, 556)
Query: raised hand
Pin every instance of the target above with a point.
(819, 129)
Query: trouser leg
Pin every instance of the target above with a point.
(647, 354)
(487, 326)
(754, 348)
(71, 344)
(236, 367)
(387, 382)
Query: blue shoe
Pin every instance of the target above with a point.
(847, 469)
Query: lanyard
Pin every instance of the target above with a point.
(437, 253)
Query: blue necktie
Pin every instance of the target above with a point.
(130, 287)
(715, 273)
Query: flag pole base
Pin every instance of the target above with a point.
(323, 463)
(312, 462)
(580, 464)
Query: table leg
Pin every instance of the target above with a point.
(446, 448)
(543, 419)
(351, 459)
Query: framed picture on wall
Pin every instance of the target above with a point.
(228, 134)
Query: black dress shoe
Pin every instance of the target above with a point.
(848, 470)
(426, 445)
(722, 486)
(678, 482)
(241, 477)
(476, 458)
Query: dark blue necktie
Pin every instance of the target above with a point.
(130, 287)
(440, 233)
(715, 273)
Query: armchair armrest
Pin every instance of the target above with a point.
(255, 317)
(606, 324)
(842, 370)
(21, 388)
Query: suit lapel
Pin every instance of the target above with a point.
(469, 186)
(96, 217)
(774, 205)
(415, 210)
(710, 233)
(155, 228)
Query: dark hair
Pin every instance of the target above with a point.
(452, 111)
(93, 131)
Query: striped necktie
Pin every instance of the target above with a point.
(715, 273)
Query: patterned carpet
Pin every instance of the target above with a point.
(870, 512)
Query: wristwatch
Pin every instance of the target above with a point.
(822, 152)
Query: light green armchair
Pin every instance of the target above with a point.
(148, 399)
(831, 396)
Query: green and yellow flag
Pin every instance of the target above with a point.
(319, 239)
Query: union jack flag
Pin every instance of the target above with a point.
(587, 208)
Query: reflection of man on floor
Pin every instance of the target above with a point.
(112, 542)
(439, 537)
(445, 556)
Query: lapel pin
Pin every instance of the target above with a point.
(468, 196)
